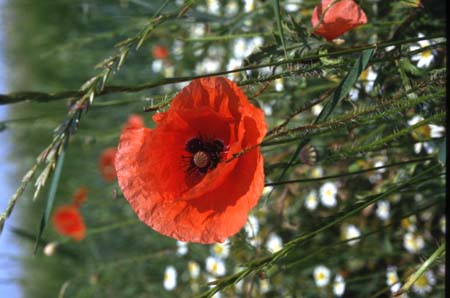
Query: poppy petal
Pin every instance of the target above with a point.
(341, 17)
(159, 187)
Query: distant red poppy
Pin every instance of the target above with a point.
(68, 221)
(341, 17)
(160, 52)
(134, 121)
(106, 164)
(175, 176)
(80, 196)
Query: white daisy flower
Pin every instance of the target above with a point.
(339, 285)
(240, 50)
(207, 65)
(423, 58)
(170, 278)
(392, 279)
(311, 200)
(252, 226)
(215, 266)
(424, 284)
(196, 30)
(274, 243)
(255, 43)
(321, 276)
(316, 109)
(349, 232)
(279, 86)
(194, 269)
(213, 6)
(264, 286)
(249, 5)
(234, 64)
(328, 193)
(292, 5)
(436, 131)
(267, 190)
(353, 94)
(413, 243)
(414, 120)
(409, 223)
(317, 172)
(157, 65)
(231, 8)
(177, 49)
(367, 78)
(252, 229)
(182, 248)
(221, 250)
(383, 210)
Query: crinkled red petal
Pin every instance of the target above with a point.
(150, 170)
(341, 17)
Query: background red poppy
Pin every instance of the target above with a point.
(152, 169)
(341, 17)
(68, 221)
(106, 164)
(80, 196)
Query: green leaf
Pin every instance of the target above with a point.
(346, 84)
(276, 7)
(50, 200)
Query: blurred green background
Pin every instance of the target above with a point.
(54, 45)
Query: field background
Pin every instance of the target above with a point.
(53, 46)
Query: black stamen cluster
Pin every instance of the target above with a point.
(213, 148)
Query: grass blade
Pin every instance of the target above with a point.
(50, 200)
(276, 8)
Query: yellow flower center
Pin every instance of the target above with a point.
(422, 281)
(218, 249)
(427, 54)
(214, 268)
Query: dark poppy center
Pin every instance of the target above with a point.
(206, 154)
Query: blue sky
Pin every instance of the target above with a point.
(9, 249)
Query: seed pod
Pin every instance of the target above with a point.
(308, 155)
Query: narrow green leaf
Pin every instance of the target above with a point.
(346, 84)
(50, 200)
(276, 7)
(341, 91)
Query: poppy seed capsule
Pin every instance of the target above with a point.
(201, 159)
(308, 155)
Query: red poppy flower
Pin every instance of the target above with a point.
(160, 52)
(79, 197)
(106, 164)
(69, 222)
(341, 17)
(134, 121)
(176, 177)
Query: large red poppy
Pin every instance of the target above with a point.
(68, 221)
(176, 177)
(341, 17)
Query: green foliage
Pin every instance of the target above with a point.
(78, 70)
